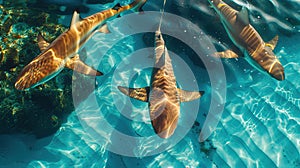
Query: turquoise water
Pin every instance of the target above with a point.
(259, 126)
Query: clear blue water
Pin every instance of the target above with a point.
(259, 126)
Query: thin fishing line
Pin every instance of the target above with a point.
(162, 13)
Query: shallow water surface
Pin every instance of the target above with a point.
(251, 120)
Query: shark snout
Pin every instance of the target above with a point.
(269, 63)
(277, 71)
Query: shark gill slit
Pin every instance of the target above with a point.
(253, 43)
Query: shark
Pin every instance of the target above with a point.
(162, 95)
(249, 42)
(64, 50)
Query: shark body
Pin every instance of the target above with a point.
(258, 53)
(162, 95)
(63, 51)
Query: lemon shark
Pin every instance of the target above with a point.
(251, 45)
(63, 51)
(162, 95)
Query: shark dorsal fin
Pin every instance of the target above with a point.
(76, 18)
(77, 65)
(141, 94)
(188, 95)
(243, 16)
(42, 43)
(272, 43)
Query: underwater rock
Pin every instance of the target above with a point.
(41, 110)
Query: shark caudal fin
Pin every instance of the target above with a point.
(272, 43)
(186, 96)
(141, 94)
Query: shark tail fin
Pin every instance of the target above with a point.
(272, 43)
(186, 96)
(141, 94)
(77, 65)
(42, 43)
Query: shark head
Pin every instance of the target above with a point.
(164, 111)
(165, 124)
(270, 63)
(40, 70)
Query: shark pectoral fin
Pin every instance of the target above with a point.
(76, 18)
(272, 43)
(225, 54)
(104, 29)
(243, 16)
(42, 43)
(141, 94)
(188, 95)
(77, 65)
